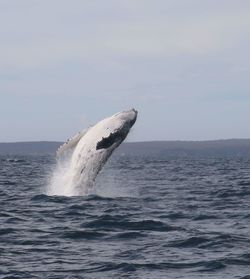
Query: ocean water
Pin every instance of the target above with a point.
(147, 217)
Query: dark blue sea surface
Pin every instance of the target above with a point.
(148, 217)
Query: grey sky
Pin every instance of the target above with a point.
(184, 64)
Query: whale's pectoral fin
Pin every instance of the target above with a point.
(70, 144)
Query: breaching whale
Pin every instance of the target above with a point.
(83, 156)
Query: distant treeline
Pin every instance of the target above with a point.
(36, 147)
(232, 147)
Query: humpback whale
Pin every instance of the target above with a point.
(82, 157)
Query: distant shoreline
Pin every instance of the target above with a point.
(232, 147)
(137, 142)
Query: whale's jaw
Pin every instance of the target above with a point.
(86, 153)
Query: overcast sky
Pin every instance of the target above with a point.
(184, 64)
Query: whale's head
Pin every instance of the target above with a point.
(116, 128)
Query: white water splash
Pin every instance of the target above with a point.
(109, 183)
(64, 182)
(59, 181)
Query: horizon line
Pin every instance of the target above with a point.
(140, 141)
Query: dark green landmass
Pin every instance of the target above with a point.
(231, 147)
(36, 147)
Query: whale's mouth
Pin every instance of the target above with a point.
(105, 143)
